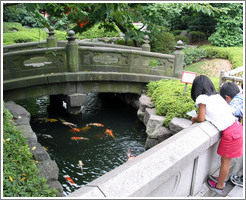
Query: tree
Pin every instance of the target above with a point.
(229, 29)
(84, 15)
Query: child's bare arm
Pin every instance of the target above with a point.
(201, 114)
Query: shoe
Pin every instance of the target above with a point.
(237, 180)
(215, 179)
(212, 186)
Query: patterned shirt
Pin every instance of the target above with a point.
(237, 105)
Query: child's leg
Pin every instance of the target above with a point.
(224, 170)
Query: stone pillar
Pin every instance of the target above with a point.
(72, 52)
(51, 39)
(179, 59)
(74, 103)
(146, 46)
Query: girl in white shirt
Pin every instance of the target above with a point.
(212, 107)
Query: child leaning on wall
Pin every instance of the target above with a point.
(233, 96)
(231, 93)
(212, 107)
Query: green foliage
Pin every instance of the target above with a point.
(128, 42)
(183, 38)
(229, 29)
(98, 31)
(233, 54)
(167, 96)
(177, 32)
(20, 14)
(192, 54)
(164, 43)
(20, 174)
(197, 36)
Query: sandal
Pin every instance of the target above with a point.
(215, 179)
(212, 186)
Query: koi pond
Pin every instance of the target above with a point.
(88, 143)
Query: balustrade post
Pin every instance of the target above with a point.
(72, 52)
(179, 59)
(146, 46)
(51, 39)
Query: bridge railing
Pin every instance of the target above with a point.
(75, 56)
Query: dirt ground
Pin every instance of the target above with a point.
(214, 66)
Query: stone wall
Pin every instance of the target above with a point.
(155, 130)
(47, 167)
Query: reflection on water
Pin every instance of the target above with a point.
(100, 153)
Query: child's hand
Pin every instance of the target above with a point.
(193, 120)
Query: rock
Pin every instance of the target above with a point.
(147, 114)
(145, 102)
(140, 115)
(48, 170)
(57, 185)
(150, 142)
(154, 123)
(39, 153)
(19, 113)
(163, 133)
(178, 124)
(28, 133)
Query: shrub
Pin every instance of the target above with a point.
(177, 32)
(197, 36)
(163, 43)
(20, 174)
(234, 54)
(96, 32)
(167, 96)
(129, 42)
(183, 38)
(192, 54)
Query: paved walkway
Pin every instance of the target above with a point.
(230, 190)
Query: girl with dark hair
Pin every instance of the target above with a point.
(212, 107)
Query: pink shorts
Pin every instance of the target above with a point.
(231, 143)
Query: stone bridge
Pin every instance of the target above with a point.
(72, 67)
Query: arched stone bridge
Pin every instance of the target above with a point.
(54, 67)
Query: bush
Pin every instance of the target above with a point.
(197, 36)
(20, 174)
(163, 43)
(96, 32)
(177, 32)
(192, 54)
(129, 42)
(233, 54)
(167, 96)
(183, 38)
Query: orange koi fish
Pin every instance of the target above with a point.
(79, 138)
(108, 131)
(75, 129)
(129, 155)
(84, 129)
(69, 180)
(95, 124)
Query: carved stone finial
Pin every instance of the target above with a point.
(180, 45)
(51, 31)
(71, 35)
(146, 39)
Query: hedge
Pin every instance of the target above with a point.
(20, 174)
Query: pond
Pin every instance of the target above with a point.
(87, 143)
